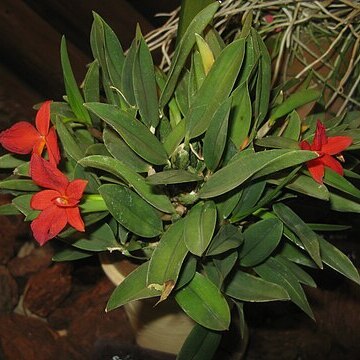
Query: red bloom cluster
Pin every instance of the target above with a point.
(326, 147)
(59, 202)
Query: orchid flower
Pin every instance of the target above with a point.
(327, 148)
(58, 203)
(24, 138)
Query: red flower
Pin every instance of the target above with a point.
(58, 203)
(24, 138)
(326, 147)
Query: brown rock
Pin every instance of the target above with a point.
(24, 338)
(39, 258)
(8, 291)
(47, 289)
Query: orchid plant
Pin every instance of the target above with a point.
(193, 171)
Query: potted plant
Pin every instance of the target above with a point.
(193, 173)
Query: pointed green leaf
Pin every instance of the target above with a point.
(172, 177)
(278, 142)
(244, 167)
(216, 136)
(337, 260)
(71, 254)
(199, 227)
(344, 204)
(183, 49)
(19, 185)
(127, 84)
(119, 169)
(308, 237)
(9, 209)
(118, 148)
(260, 240)
(134, 133)
(247, 287)
(228, 237)
(131, 211)
(201, 344)
(339, 182)
(133, 287)
(293, 127)
(215, 89)
(72, 91)
(10, 161)
(167, 259)
(144, 83)
(203, 302)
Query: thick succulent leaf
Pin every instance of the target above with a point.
(133, 287)
(199, 227)
(247, 287)
(122, 171)
(203, 302)
(144, 83)
(201, 344)
(134, 133)
(274, 271)
(216, 135)
(74, 96)
(228, 237)
(244, 167)
(337, 260)
(308, 237)
(260, 240)
(167, 258)
(131, 211)
(183, 49)
(172, 177)
(215, 89)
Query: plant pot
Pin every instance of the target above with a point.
(163, 327)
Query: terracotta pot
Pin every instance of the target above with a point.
(163, 327)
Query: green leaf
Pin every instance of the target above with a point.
(174, 138)
(91, 83)
(127, 84)
(122, 171)
(228, 237)
(215, 89)
(216, 136)
(244, 167)
(337, 181)
(278, 142)
(263, 83)
(308, 237)
(187, 272)
(22, 203)
(337, 260)
(100, 239)
(201, 344)
(172, 177)
(260, 240)
(183, 49)
(294, 101)
(199, 227)
(224, 264)
(71, 254)
(9, 209)
(296, 255)
(247, 287)
(118, 148)
(207, 57)
(133, 287)
(134, 133)
(19, 185)
(72, 91)
(241, 115)
(343, 204)
(131, 211)
(68, 141)
(274, 271)
(145, 90)
(168, 257)
(10, 161)
(293, 127)
(203, 302)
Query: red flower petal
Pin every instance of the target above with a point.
(39, 145)
(52, 146)
(43, 199)
(74, 218)
(19, 138)
(333, 164)
(48, 224)
(76, 188)
(336, 144)
(42, 120)
(304, 145)
(320, 137)
(316, 169)
(45, 174)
